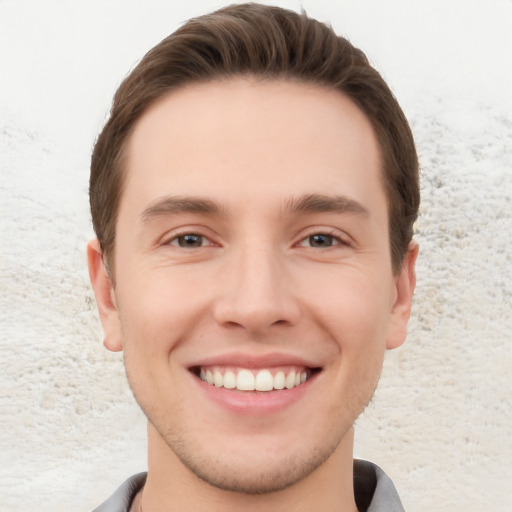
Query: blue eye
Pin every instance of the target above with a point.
(190, 241)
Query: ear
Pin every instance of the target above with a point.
(405, 283)
(105, 296)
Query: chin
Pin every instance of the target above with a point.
(253, 465)
(251, 477)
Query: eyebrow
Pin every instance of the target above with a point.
(319, 203)
(169, 205)
(309, 203)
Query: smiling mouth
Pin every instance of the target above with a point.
(265, 379)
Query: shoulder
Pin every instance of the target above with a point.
(121, 499)
(373, 489)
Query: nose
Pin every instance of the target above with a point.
(256, 292)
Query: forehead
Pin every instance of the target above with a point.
(225, 138)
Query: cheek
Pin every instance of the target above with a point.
(354, 307)
(159, 310)
(157, 317)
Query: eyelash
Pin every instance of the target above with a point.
(175, 241)
(332, 238)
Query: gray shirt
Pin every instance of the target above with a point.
(373, 489)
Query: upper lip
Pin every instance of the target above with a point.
(253, 361)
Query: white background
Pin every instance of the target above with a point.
(440, 423)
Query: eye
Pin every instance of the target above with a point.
(320, 240)
(190, 241)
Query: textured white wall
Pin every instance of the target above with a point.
(440, 423)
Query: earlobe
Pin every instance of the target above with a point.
(105, 296)
(405, 284)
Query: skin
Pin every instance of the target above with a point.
(258, 283)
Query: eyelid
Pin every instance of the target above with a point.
(171, 236)
(342, 238)
(176, 239)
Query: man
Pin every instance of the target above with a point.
(253, 195)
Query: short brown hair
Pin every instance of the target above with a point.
(268, 42)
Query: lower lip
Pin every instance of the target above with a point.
(255, 402)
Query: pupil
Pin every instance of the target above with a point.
(190, 241)
(320, 240)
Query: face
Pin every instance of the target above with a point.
(254, 293)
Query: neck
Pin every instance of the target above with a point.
(171, 486)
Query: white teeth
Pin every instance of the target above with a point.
(245, 380)
(279, 380)
(229, 380)
(264, 381)
(218, 380)
(248, 380)
(289, 382)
